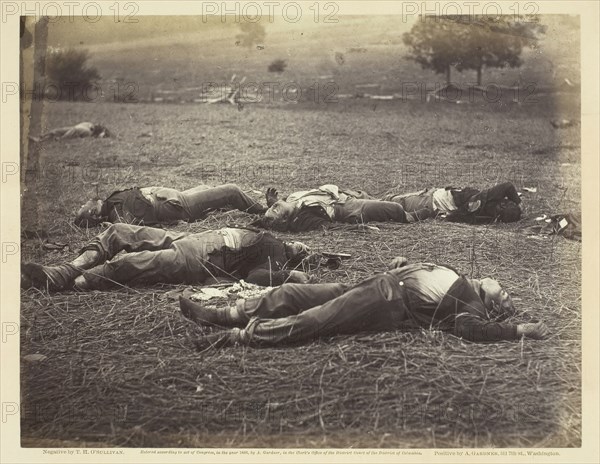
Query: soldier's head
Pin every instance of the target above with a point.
(508, 211)
(89, 214)
(280, 212)
(100, 131)
(497, 301)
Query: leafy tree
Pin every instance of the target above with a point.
(436, 44)
(277, 66)
(251, 33)
(470, 42)
(497, 43)
(69, 71)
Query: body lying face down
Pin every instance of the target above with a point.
(470, 205)
(81, 130)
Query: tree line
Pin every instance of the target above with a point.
(438, 43)
(441, 43)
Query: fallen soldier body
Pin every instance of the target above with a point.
(157, 256)
(328, 204)
(83, 129)
(160, 205)
(500, 202)
(420, 295)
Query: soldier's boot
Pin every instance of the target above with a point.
(57, 278)
(51, 278)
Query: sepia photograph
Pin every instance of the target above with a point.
(296, 225)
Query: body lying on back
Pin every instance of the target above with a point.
(326, 205)
(163, 205)
(157, 256)
(408, 296)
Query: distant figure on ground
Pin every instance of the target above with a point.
(83, 129)
(158, 256)
(420, 295)
(161, 205)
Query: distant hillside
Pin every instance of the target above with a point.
(171, 53)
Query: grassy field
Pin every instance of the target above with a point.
(120, 367)
(177, 53)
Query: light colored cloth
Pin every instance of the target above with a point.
(199, 246)
(148, 193)
(326, 196)
(232, 237)
(84, 128)
(429, 284)
(443, 201)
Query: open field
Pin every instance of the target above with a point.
(180, 53)
(121, 370)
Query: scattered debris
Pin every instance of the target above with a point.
(239, 289)
(568, 225)
(208, 293)
(47, 245)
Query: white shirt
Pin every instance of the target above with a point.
(443, 201)
(430, 285)
(232, 237)
(325, 196)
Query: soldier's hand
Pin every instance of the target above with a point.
(299, 277)
(398, 261)
(537, 331)
(272, 196)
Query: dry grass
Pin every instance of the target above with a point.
(120, 368)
